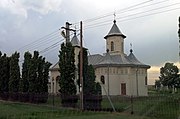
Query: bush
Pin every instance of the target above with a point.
(69, 101)
(92, 102)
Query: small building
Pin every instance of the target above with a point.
(118, 73)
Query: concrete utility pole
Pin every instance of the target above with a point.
(81, 69)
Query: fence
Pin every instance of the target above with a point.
(165, 106)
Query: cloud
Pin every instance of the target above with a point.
(21, 7)
(14, 7)
(43, 7)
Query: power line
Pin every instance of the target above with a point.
(122, 17)
(108, 21)
(40, 39)
(38, 45)
(109, 14)
(52, 36)
(47, 37)
(53, 45)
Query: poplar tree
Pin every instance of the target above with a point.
(5, 70)
(14, 76)
(25, 72)
(67, 74)
(38, 74)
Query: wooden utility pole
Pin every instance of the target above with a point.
(67, 35)
(67, 32)
(81, 69)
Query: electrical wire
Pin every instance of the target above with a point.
(109, 14)
(135, 17)
(40, 39)
(91, 23)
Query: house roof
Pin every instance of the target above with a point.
(114, 31)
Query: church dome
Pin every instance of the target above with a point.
(115, 31)
(75, 40)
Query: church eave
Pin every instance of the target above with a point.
(122, 65)
(114, 35)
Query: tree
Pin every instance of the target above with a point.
(169, 75)
(24, 82)
(67, 74)
(14, 76)
(157, 84)
(25, 72)
(38, 74)
(91, 89)
(4, 76)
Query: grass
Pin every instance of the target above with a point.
(11, 110)
(152, 107)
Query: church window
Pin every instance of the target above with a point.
(122, 47)
(102, 79)
(146, 80)
(112, 46)
(57, 78)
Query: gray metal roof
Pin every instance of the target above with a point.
(115, 60)
(75, 41)
(123, 60)
(95, 59)
(115, 31)
(107, 59)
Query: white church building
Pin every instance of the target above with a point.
(121, 74)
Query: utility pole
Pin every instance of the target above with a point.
(81, 69)
(67, 34)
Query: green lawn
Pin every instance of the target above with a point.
(151, 107)
(9, 110)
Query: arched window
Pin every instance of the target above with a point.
(122, 47)
(102, 79)
(57, 78)
(112, 46)
(146, 80)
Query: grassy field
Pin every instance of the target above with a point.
(151, 107)
(9, 110)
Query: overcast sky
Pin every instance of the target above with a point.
(150, 25)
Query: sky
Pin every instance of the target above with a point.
(150, 26)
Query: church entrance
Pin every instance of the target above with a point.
(123, 88)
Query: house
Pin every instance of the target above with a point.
(118, 73)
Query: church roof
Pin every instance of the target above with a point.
(75, 40)
(54, 67)
(115, 60)
(115, 31)
(107, 59)
(123, 60)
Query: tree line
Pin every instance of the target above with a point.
(28, 85)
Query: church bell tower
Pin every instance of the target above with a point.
(115, 40)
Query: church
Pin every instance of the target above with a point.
(117, 72)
